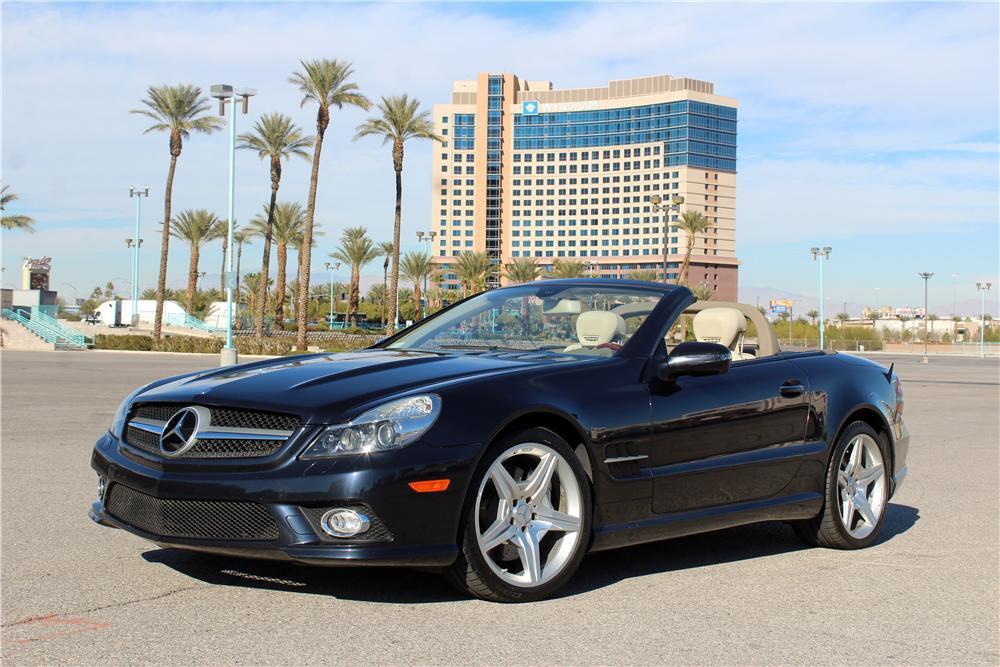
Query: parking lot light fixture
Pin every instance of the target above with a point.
(428, 238)
(657, 204)
(926, 276)
(821, 255)
(227, 95)
(983, 288)
(331, 267)
(137, 194)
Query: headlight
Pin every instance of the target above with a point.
(389, 426)
(121, 414)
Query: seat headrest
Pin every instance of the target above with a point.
(719, 325)
(565, 307)
(597, 327)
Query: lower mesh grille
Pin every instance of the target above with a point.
(192, 519)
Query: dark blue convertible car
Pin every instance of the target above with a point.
(504, 437)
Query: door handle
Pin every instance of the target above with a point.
(791, 388)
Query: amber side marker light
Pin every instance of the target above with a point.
(430, 485)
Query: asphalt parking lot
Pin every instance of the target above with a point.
(76, 593)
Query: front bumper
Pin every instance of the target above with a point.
(418, 529)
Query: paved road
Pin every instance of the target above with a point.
(77, 593)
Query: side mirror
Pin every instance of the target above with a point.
(693, 358)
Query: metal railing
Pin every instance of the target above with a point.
(78, 339)
(190, 322)
(42, 326)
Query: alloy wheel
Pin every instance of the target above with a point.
(861, 486)
(529, 511)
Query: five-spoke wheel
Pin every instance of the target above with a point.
(856, 492)
(528, 523)
(861, 486)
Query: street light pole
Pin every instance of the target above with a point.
(926, 276)
(821, 255)
(428, 238)
(659, 205)
(225, 94)
(137, 194)
(333, 302)
(983, 289)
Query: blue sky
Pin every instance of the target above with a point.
(869, 128)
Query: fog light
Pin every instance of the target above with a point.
(100, 488)
(343, 522)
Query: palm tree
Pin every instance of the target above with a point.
(400, 120)
(287, 227)
(694, 223)
(472, 270)
(324, 82)
(842, 318)
(812, 315)
(241, 237)
(385, 250)
(522, 270)
(356, 249)
(567, 269)
(275, 137)
(703, 292)
(645, 275)
(21, 222)
(178, 110)
(413, 267)
(376, 294)
(250, 290)
(195, 227)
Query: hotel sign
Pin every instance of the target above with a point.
(552, 107)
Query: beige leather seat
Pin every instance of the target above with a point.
(725, 326)
(597, 327)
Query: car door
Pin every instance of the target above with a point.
(727, 438)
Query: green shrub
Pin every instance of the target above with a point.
(198, 344)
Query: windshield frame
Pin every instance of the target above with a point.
(641, 344)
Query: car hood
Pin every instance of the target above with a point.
(332, 387)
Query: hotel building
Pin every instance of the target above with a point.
(528, 170)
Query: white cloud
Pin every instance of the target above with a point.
(839, 104)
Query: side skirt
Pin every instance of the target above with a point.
(661, 527)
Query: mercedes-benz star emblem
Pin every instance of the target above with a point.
(181, 430)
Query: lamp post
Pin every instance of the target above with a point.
(428, 238)
(659, 205)
(137, 194)
(983, 289)
(335, 266)
(926, 276)
(822, 255)
(226, 95)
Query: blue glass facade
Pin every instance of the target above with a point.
(693, 133)
(465, 131)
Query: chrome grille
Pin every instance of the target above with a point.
(231, 433)
(206, 449)
(229, 417)
(191, 519)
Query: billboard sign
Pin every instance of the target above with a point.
(781, 306)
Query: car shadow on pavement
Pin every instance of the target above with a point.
(707, 549)
(405, 586)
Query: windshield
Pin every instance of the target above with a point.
(593, 320)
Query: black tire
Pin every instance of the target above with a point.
(826, 529)
(470, 573)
